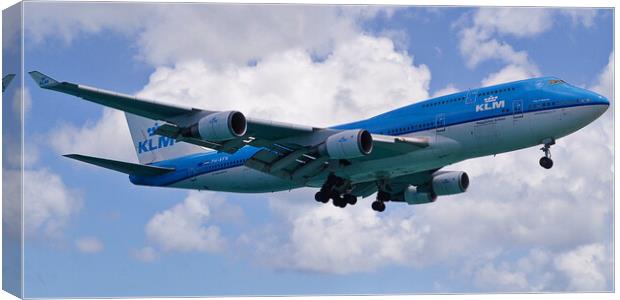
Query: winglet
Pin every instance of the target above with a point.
(43, 80)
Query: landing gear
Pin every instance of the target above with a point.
(546, 161)
(350, 199)
(383, 196)
(337, 189)
(321, 196)
(339, 201)
(378, 206)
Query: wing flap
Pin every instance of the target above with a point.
(120, 166)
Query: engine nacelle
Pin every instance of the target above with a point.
(450, 183)
(348, 144)
(220, 126)
(412, 196)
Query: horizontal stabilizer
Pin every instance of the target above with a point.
(120, 166)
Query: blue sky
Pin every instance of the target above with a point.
(94, 234)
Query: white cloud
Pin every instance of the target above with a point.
(107, 137)
(588, 268)
(211, 32)
(185, 227)
(605, 82)
(48, 203)
(581, 16)
(481, 39)
(510, 73)
(362, 77)
(322, 238)
(500, 278)
(447, 90)
(515, 21)
(89, 244)
(478, 41)
(66, 21)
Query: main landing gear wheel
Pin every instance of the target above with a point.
(378, 206)
(350, 199)
(321, 196)
(546, 161)
(339, 201)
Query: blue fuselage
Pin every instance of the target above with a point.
(474, 123)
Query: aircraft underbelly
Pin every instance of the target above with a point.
(239, 179)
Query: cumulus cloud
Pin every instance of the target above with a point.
(509, 73)
(581, 16)
(107, 137)
(604, 84)
(185, 227)
(480, 40)
(325, 239)
(362, 77)
(89, 244)
(515, 21)
(447, 90)
(48, 203)
(483, 36)
(211, 32)
(587, 268)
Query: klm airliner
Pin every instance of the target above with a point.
(399, 155)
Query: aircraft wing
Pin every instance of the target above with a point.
(259, 132)
(289, 151)
(302, 163)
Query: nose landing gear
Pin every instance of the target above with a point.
(546, 161)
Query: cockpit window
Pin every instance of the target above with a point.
(556, 81)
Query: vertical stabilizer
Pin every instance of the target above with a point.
(151, 147)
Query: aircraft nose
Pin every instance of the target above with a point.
(597, 104)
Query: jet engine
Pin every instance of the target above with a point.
(449, 183)
(220, 126)
(412, 196)
(348, 144)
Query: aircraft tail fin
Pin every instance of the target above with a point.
(120, 166)
(151, 147)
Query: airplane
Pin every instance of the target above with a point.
(399, 155)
